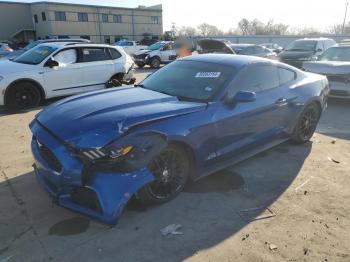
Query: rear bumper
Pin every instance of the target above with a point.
(339, 90)
(295, 63)
(102, 198)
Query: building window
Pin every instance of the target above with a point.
(60, 16)
(83, 17)
(107, 39)
(36, 19)
(43, 16)
(117, 19)
(155, 19)
(104, 18)
(87, 37)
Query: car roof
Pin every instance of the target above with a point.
(242, 45)
(64, 44)
(78, 40)
(227, 59)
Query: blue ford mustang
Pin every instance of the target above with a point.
(95, 151)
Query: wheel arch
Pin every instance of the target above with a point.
(22, 80)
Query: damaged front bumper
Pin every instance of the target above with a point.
(102, 197)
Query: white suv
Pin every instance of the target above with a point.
(61, 69)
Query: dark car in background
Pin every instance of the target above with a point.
(335, 64)
(273, 47)
(15, 53)
(253, 50)
(307, 49)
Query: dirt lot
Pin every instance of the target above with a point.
(307, 191)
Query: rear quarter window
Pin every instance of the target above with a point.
(92, 54)
(114, 53)
(286, 75)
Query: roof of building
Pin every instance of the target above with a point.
(149, 8)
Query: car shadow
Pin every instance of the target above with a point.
(209, 210)
(335, 120)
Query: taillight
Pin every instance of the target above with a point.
(8, 49)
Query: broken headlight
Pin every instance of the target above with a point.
(106, 154)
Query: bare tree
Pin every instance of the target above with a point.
(187, 31)
(209, 30)
(335, 29)
(256, 27)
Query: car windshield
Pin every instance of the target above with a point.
(36, 55)
(190, 80)
(121, 43)
(302, 45)
(30, 45)
(336, 54)
(156, 46)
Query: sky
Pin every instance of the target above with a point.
(319, 14)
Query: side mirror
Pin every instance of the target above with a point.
(319, 50)
(241, 97)
(51, 63)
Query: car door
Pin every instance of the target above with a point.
(167, 52)
(97, 67)
(66, 78)
(243, 126)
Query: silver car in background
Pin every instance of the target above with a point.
(5, 49)
(335, 64)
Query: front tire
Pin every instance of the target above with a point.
(155, 62)
(171, 170)
(22, 96)
(140, 64)
(306, 124)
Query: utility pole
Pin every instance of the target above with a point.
(346, 12)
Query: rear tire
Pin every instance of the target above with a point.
(306, 124)
(23, 95)
(140, 64)
(155, 62)
(171, 169)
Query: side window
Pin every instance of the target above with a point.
(129, 44)
(92, 54)
(248, 51)
(258, 50)
(259, 78)
(286, 75)
(66, 57)
(114, 53)
(168, 47)
(319, 45)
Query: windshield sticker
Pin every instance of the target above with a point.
(208, 89)
(208, 74)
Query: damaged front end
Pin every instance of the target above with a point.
(96, 182)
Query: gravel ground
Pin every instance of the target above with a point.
(305, 189)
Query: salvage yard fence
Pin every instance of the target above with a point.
(282, 40)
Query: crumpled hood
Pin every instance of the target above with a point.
(212, 45)
(295, 54)
(94, 119)
(328, 67)
(143, 51)
(9, 67)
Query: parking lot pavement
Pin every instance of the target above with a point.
(304, 187)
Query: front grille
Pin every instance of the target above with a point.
(50, 157)
(338, 78)
(339, 93)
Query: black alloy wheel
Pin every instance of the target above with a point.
(23, 96)
(307, 124)
(171, 171)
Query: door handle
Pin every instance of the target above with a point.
(281, 101)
